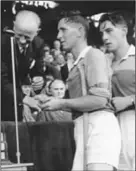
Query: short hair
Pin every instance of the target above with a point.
(28, 14)
(120, 17)
(75, 16)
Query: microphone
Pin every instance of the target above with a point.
(9, 31)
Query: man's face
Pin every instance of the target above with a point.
(60, 59)
(46, 48)
(69, 57)
(48, 58)
(112, 35)
(68, 34)
(58, 89)
(56, 45)
(24, 35)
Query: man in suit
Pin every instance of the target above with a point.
(27, 48)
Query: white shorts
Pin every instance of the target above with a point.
(104, 140)
(127, 125)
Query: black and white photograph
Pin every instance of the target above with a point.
(68, 85)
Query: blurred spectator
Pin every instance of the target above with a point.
(55, 53)
(47, 69)
(30, 90)
(37, 84)
(67, 67)
(47, 86)
(56, 45)
(37, 87)
(48, 57)
(56, 89)
(59, 61)
(46, 48)
(63, 52)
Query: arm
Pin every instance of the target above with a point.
(121, 103)
(32, 103)
(97, 83)
(84, 103)
(98, 93)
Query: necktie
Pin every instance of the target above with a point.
(23, 50)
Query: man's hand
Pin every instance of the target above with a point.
(32, 103)
(53, 104)
(121, 103)
(42, 98)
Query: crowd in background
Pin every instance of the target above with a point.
(54, 65)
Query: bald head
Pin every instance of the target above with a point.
(57, 88)
(26, 26)
(27, 20)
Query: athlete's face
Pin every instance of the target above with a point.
(68, 34)
(112, 35)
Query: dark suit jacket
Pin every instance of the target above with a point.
(22, 68)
